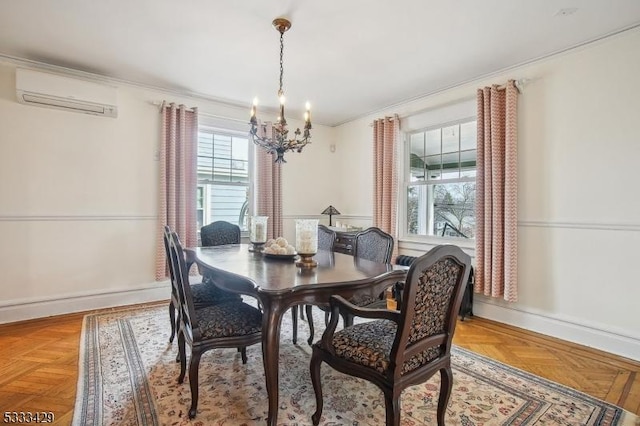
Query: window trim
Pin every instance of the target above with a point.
(404, 170)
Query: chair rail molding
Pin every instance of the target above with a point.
(73, 218)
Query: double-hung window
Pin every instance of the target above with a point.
(223, 177)
(440, 180)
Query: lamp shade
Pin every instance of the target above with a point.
(330, 211)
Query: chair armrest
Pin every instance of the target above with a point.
(342, 306)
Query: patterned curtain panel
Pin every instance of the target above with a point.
(386, 134)
(496, 272)
(177, 205)
(268, 189)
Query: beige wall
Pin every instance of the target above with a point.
(78, 200)
(579, 212)
(78, 196)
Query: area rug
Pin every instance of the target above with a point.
(128, 377)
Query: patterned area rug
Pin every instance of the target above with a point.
(128, 377)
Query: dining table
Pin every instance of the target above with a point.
(279, 284)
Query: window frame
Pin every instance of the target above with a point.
(231, 131)
(405, 183)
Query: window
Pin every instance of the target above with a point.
(223, 177)
(440, 181)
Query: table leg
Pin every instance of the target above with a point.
(271, 322)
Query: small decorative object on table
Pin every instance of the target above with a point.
(307, 242)
(258, 232)
(279, 248)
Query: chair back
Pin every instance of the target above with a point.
(373, 244)
(430, 303)
(219, 233)
(326, 238)
(187, 307)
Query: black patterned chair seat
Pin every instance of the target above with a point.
(369, 344)
(229, 319)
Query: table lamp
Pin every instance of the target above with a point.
(330, 211)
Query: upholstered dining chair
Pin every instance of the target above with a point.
(371, 244)
(219, 233)
(400, 348)
(232, 324)
(203, 295)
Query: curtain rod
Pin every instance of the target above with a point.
(204, 114)
(519, 84)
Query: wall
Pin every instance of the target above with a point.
(78, 200)
(579, 212)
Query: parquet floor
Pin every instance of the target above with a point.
(39, 363)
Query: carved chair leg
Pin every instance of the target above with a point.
(194, 366)
(243, 353)
(294, 320)
(392, 409)
(302, 313)
(314, 367)
(172, 318)
(182, 356)
(309, 310)
(446, 384)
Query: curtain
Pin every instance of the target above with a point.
(496, 272)
(386, 134)
(177, 188)
(268, 189)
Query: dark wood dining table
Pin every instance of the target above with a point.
(279, 284)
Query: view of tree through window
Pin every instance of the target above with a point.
(441, 187)
(223, 178)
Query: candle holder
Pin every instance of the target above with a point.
(307, 242)
(257, 232)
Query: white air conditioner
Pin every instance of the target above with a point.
(69, 94)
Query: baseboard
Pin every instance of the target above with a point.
(25, 309)
(597, 337)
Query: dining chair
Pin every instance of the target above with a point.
(371, 244)
(401, 348)
(203, 295)
(231, 324)
(218, 233)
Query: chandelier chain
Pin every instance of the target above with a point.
(275, 138)
(281, 92)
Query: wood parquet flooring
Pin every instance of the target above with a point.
(39, 363)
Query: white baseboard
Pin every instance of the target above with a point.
(611, 341)
(25, 309)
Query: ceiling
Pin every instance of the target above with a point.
(347, 58)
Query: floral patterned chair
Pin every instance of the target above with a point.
(400, 348)
(230, 324)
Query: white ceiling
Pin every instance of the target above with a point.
(347, 57)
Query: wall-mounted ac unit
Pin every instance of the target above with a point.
(69, 94)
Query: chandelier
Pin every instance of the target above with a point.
(278, 140)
